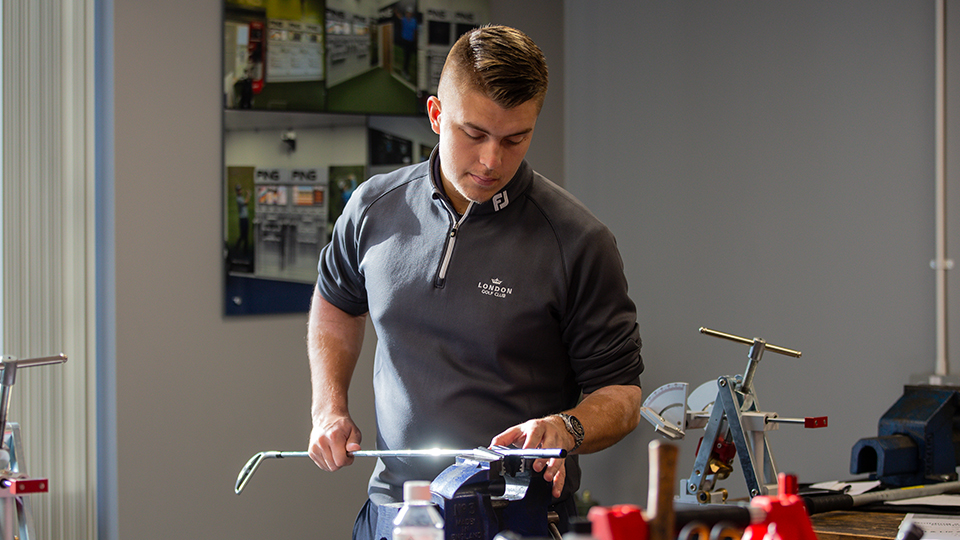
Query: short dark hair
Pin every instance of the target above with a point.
(501, 62)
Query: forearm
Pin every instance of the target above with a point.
(607, 415)
(334, 340)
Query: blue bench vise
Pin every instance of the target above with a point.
(484, 493)
(918, 439)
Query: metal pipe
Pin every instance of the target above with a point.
(8, 376)
(42, 361)
(940, 263)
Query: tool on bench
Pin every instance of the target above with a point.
(780, 517)
(734, 424)
(487, 490)
(918, 439)
(663, 473)
(16, 520)
(841, 501)
(630, 522)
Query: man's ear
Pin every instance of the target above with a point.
(433, 113)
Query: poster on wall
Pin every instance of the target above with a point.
(344, 180)
(276, 226)
(397, 141)
(306, 66)
(372, 57)
(389, 149)
(340, 56)
(238, 249)
(273, 55)
(444, 21)
(276, 221)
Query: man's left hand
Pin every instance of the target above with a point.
(548, 432)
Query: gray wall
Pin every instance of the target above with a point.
(768, 169)
(198, 394)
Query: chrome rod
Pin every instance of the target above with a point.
(496, 452)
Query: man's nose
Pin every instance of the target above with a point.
(491, 154)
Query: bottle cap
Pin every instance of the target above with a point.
(581, 525)
(416, 490)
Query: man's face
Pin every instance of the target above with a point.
(481, 143)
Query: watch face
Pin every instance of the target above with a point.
(577, 426)
(573, 426)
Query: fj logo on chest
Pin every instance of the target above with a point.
(494, 288)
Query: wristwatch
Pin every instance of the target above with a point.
(574, 427)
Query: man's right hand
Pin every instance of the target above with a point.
(331, 440)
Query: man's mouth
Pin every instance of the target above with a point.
(484, 180)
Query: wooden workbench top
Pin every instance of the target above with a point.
(843, 525)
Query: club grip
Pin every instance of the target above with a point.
(827, 503)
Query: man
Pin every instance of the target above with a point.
(243, 215)
(408, 38)
(498, 299)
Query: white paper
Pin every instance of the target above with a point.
(935, 527)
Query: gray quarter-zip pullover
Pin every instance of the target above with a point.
(485, 320)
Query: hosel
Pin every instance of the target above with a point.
(754, 356)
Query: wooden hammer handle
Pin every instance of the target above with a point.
(663, 470)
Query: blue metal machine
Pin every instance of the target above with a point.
(486, 492)
(918, 439)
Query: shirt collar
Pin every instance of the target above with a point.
(501, 200)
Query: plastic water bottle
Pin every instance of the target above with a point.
(418, 519)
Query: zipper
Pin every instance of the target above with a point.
(448, 250)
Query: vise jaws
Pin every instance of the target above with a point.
(483, 493)
(918, 439)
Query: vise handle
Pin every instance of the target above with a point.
(772, 348)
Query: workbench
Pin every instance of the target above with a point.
(851, 525)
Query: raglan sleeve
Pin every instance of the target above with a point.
(600, 327)
(340, 278)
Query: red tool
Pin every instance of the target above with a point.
(13, 487)
(786, 514)
(620, 522)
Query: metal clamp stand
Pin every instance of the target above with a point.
(736, 425)
(14, 483)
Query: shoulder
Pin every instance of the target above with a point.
(566, 214)
(584, 242)
(397, 182)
